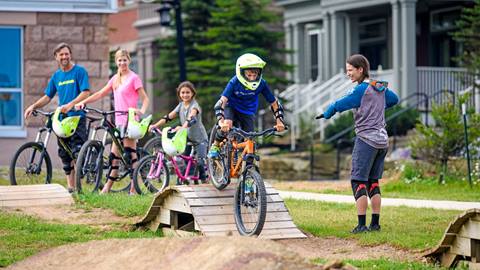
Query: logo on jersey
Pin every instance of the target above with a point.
(66, 82)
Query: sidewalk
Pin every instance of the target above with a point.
(445, 205)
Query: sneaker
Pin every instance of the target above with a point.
(374, 227)
(214, 151)
(360, 229)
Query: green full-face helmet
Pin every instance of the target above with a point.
(176, 145)
(66, 127)
(249, 61)
(135, 129)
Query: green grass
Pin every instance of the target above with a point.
(120, 203)
(426, 189)
(402, 227)
(429, 188)
(22, 236)
(384, 264)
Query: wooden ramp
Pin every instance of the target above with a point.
(204, 208)
(461, 242)
(34, 195)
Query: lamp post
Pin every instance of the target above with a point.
(165, 18)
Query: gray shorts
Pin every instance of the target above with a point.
(367, 161)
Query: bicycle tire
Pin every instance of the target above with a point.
(89, 167)
(217, 169)
(140, 181)
(22, 176)
(249, 224)
(152, 144)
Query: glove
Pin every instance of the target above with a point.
(320, 116)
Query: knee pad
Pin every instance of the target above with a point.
(67, 168)
(359, 189)
(219, 136)
(128, 152)
(112, 167)
(373, 188)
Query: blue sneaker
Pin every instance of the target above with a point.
(214, 151)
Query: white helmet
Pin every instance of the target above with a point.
(135, 129)
(249, 61)
(177, 144)
(66, 127)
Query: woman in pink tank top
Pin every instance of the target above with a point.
(127, 90)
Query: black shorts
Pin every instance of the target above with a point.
(240, 120)
(367, 161)
(74, 142)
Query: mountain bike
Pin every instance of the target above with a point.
(153, 171)
(92, 160)
(237, 160)
(31, 163)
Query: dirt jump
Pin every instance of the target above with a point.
(192, 252)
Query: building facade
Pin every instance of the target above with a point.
(29, 33)
(409, 37)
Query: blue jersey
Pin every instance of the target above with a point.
(243, 100)
(68, 85)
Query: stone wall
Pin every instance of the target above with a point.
(88, 36)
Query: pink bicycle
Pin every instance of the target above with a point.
(153, 171)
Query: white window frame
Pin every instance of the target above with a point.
(16, 131)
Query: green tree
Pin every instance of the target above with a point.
(437, 144)
(468, 34)
(237, 27)
(196, 15)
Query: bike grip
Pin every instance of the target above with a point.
(320, 116)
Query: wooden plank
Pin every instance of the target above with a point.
(165, 216)
(471, 229)
(216, 193)
(31, 187)
(38, 202)
(177, 204)
(265, 234)
(33, 196)
(461, 246)
(232, 226)
(226, 201)
(228, 209)
(229, 218)
(448, 259)
(204, 187)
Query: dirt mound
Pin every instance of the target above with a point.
(235, 253)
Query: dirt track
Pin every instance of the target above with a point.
(190, 253)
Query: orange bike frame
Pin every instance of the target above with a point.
(248, 147)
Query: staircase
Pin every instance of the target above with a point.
(304, 101)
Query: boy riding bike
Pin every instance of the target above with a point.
(239, 101)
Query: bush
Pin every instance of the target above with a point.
(400, 125)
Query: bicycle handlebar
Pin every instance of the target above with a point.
(105, 113)
(36, 112)
(253, 134)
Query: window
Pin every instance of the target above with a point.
(11, 96)
(444, 19)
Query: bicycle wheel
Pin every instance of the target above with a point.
(147, 177)
(89, 167)
(218, 167)
(250, 204)
(28, 167)
(155, 143)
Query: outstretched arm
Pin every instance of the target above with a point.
(38, 104)
(98, 95)
(350, 101)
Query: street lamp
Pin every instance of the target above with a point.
(165, 18)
